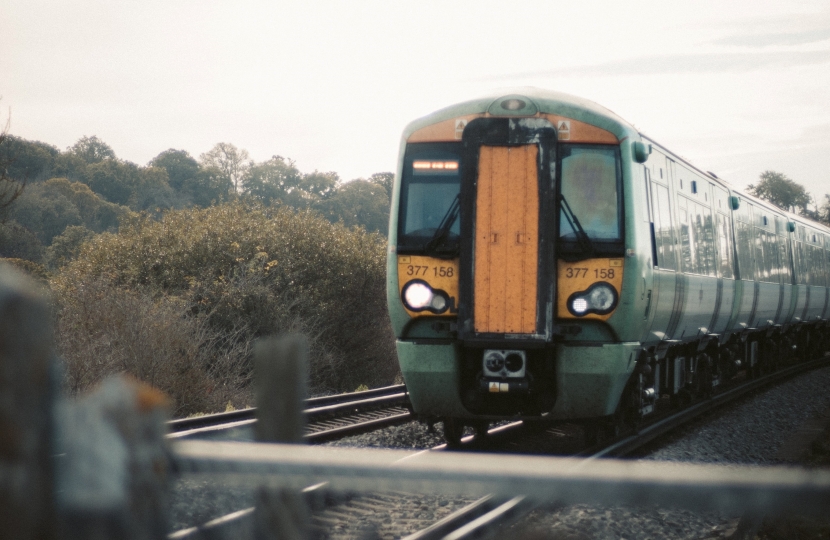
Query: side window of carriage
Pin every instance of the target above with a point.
(662, 218)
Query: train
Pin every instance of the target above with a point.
(549, 262)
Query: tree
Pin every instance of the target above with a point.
(783, 192)
(272, 180)
(316, 187)
(18, 242)
(113, 180)
(10, 189)
(65, 246)
(48, 208)
(230, 160)
(27, 161)
(824, 211)
(194, 184)
(92, 150)
(384, 179)
(358, 203)
(180, 166)
(125, 183)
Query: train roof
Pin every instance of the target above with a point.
(546, 102)
(584, 110)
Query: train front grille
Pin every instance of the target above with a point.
(506, 240)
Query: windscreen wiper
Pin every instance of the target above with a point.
(581, 236)
(433, 247)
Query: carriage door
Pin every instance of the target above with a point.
(506, 240)
(507, 275)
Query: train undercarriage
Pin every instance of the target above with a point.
(670, 374)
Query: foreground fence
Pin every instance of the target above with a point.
(102, 468)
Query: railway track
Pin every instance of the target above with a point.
(473, 520)
(328, 417)
(477, 517)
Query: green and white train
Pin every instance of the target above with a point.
(548, 261)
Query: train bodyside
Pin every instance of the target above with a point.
(545, 259)
(737, 284)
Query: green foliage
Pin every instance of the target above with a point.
(231, 162)
(254, 270)
(125, 183)
(359, 203)
(782, 191)
(29, 161)
(272, 180)
(92, 150)
(278, 179)
(10, 189)
(386, 180)
(18, 242)
(47, 208)
(318, 186)
(180, 166)
(194, 184)
(33, 269)
(65, 246)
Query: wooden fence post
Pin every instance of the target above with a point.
(114, 476)
(280, 375)
(27, 393)
(280, 366)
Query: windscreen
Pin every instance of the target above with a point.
(430, 186)
(590, 187)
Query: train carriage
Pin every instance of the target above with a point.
(546, 260)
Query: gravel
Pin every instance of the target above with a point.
(749, 432)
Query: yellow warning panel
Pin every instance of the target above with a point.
(575, 277)
(506, 240)
(439, 274)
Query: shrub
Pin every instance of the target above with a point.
(246, 271)
(103, 329)
(18, 242)
(65, 246)
(33, 269)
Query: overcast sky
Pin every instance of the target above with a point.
(735, 87)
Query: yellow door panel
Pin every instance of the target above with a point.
(506, 240)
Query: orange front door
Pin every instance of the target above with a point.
(506, 240)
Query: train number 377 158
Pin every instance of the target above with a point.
(599, 273)
(436, 271)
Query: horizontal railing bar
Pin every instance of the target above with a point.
(543, 479)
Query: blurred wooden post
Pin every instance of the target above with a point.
(27, 393)
(114, 475)
(280, 368)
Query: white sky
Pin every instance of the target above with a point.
(737, 87)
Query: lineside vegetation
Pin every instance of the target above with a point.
(178, 300)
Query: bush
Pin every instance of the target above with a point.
(103, 329)
(18, 242)
(245, 271)
(65, 247)
(33, 269)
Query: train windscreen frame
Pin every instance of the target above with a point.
(590, 184)
(430, 186)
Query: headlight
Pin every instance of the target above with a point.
(600, 298)
(417, 295)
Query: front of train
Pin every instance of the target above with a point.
(513, 265)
